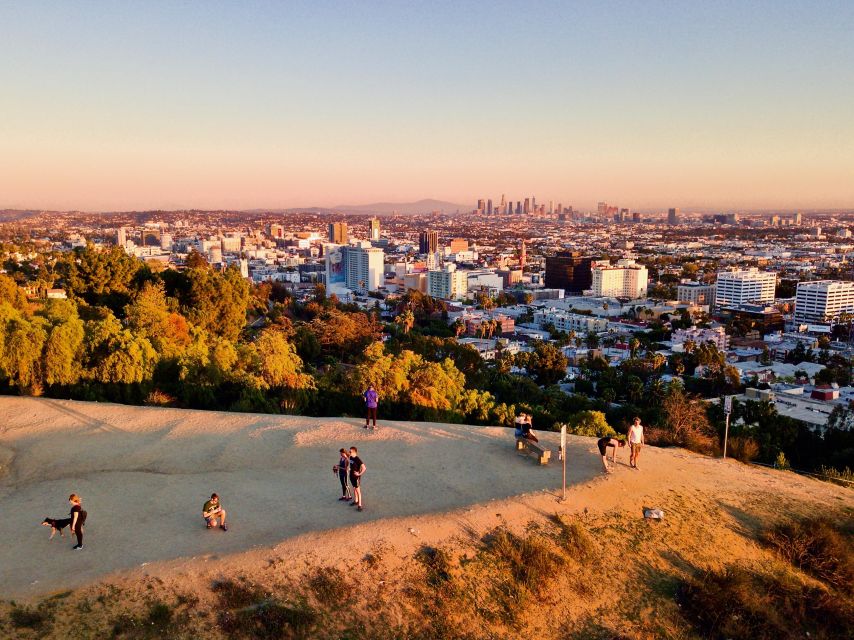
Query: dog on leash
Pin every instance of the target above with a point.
(56, 525)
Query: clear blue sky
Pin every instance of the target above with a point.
(202, 104)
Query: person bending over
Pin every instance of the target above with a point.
(603, 444)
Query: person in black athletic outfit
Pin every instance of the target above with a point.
(78, 519)
(603, 444)
(357, 469)
(342, 469)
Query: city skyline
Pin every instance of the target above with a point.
(263, 106)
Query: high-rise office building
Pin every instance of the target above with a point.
(523, 255)
(570, 271)
(736, 288)
(518, 207)
(636, 216)
(673, 216)
(481, 205)
(121, 237)
(527, 208)
(489, 207)
(428, 241)
(823, 301)
(374, 229)
(338, 233)
(363, 268)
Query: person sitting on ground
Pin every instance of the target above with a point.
(213, 510)
(527, 429)
(603, 444)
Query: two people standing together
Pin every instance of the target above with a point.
(350, 470)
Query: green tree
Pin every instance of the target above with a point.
(114, 354)
(217, 301)
(21, 346)
(590, 423)
(547, 364)
(12, 294)
(63, 349)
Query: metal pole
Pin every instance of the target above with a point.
(563, 457)
(726, 434)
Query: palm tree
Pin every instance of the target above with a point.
(459, 327)
(405, 321)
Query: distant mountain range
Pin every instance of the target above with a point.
(402, 208)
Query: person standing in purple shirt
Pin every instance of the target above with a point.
(371, 401)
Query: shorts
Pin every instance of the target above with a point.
(636, 446)
(603, 448)
(355, 481)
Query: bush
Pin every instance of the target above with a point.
(270, 619)
(530, 559)
(28, 618)
(781, 462)
(739, 604)
(573, 538)
(817, 547)
(330, 586)
(437, 563)
(844, 478)
(743, 448)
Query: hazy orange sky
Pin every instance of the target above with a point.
(110, 106)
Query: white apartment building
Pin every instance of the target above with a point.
(448, 284)
(698, 336)
(626, 279)
(565, 321)
(697, 293)
(822, 301)
(363, 268)
(736, 288)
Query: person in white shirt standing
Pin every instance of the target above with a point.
(635, 442)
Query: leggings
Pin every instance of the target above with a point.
(79, 533)
(342, 476)
(372, 411)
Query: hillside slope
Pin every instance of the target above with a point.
(143, 474)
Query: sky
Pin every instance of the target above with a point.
(646, 104)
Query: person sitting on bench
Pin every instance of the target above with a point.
(518, 422)
(527, 431)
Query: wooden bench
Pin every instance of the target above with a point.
(529, 446)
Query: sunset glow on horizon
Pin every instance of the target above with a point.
(116, 106)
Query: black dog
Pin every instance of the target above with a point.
(56, 525)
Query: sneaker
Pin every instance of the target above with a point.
(365, 427)
(353, 503)
(360, 508)
(210, 526)
(224, 527)
(344, 498)
(77, 547)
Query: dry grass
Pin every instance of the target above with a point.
(817, 547)
(740, 604)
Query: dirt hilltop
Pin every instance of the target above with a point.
(436, 489)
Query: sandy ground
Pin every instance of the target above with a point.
(144, 473)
